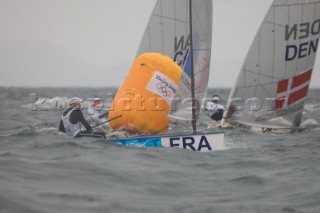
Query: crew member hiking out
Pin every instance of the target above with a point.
(214, 109)
(72, 119)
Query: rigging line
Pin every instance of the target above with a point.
(265, 90)
(265, 75)
(107, 121)
(282, 26)
(299, 4)
(163, 128)
(170, 18)
(265, 84)
(274, 42)
(288, 5)
(274, 24)
(162, 26)
(244, 91)
(204, 49)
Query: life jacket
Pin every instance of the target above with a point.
(70, 129)
(95, 110)
(213, 108)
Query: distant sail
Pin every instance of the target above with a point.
(168, 32)
(273, 82)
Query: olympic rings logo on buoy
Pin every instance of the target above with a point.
(163, 89)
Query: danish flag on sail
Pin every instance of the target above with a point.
(292, 89)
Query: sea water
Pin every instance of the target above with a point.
(42, 171)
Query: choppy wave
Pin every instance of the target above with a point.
(44, 171)
(308, 124)
(312, 107)
(29, 129)
(251, 180)
(45, 104)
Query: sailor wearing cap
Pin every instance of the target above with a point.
(214, 109)
(72, 119)
(95, 110)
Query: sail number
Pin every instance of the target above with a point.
(190, 142)
(302, 31)
(181, 49)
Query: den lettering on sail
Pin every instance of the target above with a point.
(303, 31)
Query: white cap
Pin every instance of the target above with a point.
(96, 99)
(215, 98)
(75, 100)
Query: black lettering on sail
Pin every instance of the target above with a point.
(315, 29)
(313, 46)
(181, 49)
(289, 33)
(302, 50)
(178, 45)
(304, 30)
(181, 44)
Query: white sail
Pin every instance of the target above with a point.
(273, 82)
(168, 32)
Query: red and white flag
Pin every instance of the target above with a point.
(293, 89)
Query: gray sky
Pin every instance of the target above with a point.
(93, 42)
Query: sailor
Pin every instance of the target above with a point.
(72, 119)
(96, 111)
(214, 109)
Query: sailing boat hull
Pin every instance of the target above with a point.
(173, 31)
(205, 142)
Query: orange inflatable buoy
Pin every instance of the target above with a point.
(145, 96)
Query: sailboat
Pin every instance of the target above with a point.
(273, 83)
(181, 30)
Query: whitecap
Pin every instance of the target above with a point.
(308, 124)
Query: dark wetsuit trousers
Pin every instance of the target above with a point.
(217, 115)
(92, 134)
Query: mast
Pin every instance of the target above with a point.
(194, 124)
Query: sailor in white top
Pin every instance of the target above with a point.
(214, 109)
(72, 119)
(96, 111)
